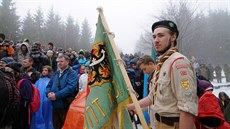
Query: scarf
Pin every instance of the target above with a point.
(160, 62)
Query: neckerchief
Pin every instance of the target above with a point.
(160, 62)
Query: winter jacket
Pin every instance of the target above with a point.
(24, 116)
(42, 119)
(40, 60)
(6, 51)
(82, 60)
(20, 56)
(68, 82)
(209, 107)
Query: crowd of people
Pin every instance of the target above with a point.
(58, 74)
(179, 90)
(210, 72)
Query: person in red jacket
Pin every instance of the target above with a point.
(210, 115)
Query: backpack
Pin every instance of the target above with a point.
(9, 100)
(35, 102)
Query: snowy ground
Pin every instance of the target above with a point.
(218, 87)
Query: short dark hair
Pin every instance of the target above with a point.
(51, 44)
(145, 60)
(30, 59)
(2, 36)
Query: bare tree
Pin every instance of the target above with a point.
(144, 43)
(183, 15)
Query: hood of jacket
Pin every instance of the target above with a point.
(209, 107)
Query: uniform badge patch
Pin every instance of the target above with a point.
(188, 94)
(185, 84)
(183, 72)
(180, 66)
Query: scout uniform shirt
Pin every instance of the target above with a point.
(176, 87)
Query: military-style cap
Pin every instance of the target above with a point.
(166, 24)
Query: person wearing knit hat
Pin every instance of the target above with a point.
(26, 93)
(204, 86)
(81, 57)
(5, 60)
(13, 66)
(81, 51)
(39, 58)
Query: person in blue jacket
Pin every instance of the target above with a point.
(60, 89)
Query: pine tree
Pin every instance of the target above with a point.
(28, 28)
(86, 36)
(77, 35)
(39, 22)
(54, 29)
(49, 26)
(70, 34)
(9, 23)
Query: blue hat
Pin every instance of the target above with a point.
(7, 59)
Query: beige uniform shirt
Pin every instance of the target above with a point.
(176, 87)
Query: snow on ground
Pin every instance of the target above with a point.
(218, 87)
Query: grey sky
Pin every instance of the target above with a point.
(126, 18)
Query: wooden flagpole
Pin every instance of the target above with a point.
(123, 71)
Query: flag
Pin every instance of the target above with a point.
(106, 103)
(75, 115)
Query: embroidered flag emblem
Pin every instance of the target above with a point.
(185, 84)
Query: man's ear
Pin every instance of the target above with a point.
(173, 38)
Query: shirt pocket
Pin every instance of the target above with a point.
(164, 92)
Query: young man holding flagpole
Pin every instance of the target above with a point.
(173, 92)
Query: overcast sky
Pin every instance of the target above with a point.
(127, 19)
